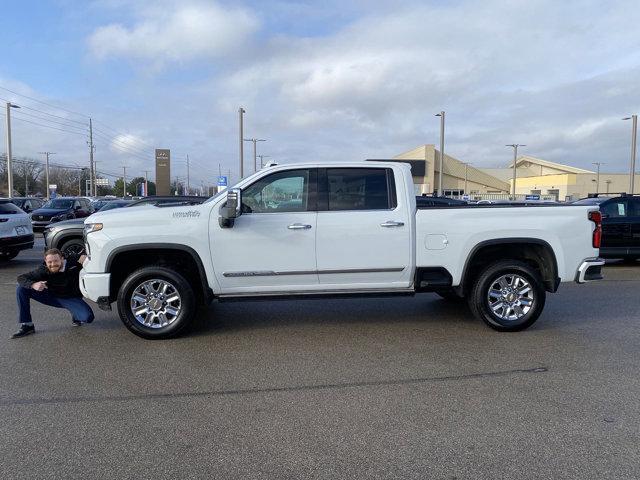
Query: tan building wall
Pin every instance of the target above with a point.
(574, 186)
(454, 175)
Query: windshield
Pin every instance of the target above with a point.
(8, 207)
(590, 201)
(112, 205)
(58, 204)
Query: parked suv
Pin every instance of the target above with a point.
(620, 224)
(15, 230)
(58, 209)
(28, 204)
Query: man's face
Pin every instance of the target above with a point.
(53, 262)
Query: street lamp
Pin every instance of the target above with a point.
(634, 134)
(254, 140)
(9, 166)
(466, 176)
(441, 115)
(241, 112)
(262, 157)
(515, 158)
(598, 174)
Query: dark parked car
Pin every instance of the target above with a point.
(426, 201)
(67, 236)
(620, 225)
(59, 209)
(28, 204)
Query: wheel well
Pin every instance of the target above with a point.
(539, 256)
(123, 263)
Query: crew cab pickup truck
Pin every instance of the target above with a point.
(309, 230)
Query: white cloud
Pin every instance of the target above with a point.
(180, 33)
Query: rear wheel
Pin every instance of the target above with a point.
(156, 303)
(508, 296)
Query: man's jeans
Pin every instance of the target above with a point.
(80, 311)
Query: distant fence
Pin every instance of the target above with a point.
(503, 196)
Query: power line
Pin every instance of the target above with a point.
(44, 103)
(56, 122)
(45, 126)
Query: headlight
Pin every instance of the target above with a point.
(92, 227)
(57, 218)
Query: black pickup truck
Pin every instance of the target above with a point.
(620, 224)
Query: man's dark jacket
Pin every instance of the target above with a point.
(61, 284)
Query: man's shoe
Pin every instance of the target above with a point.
(76, 323)
(24, 331)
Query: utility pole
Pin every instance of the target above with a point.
(254, 140)
(146, 183)
(241, 112)
(188, 184)
(47, 170)
(9, 166)
(441, 115)
(92, 174)
(634, 134)
(466, 176)
(261, 159)
(124, 181)
(515, 158)
(598, 175)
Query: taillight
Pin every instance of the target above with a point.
(596, 217)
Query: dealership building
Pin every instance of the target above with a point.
(534, 176)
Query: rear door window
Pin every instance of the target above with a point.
(615, 209)
(359, 189)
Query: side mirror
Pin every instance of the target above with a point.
(233, 208)
(77, 207)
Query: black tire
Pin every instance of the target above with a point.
(6, 256)
(479, 300)
(449, 294)
(73, 246)
(179, 285)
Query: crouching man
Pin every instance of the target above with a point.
(56, 283)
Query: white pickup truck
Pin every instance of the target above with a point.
(333, 230)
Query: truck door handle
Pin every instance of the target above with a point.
(390, 223)
(299, 226)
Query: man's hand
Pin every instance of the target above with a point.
(39, 286)
(82, 259)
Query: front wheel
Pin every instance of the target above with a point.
(508, 296)
(156, 303)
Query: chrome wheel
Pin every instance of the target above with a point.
(510, 297)
(155, 303)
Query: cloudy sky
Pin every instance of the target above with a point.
(332, 80)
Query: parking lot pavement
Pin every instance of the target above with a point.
(366, 388)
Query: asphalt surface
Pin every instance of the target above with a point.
(341, 389)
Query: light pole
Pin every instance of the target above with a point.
(598, 174)
(9, 166)
(634, 134)
(46, 154)
(466, 176)
(241, 112)
(254, 140)
(441, 115)
(262, 157)
(515, 158)
(607, 182)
